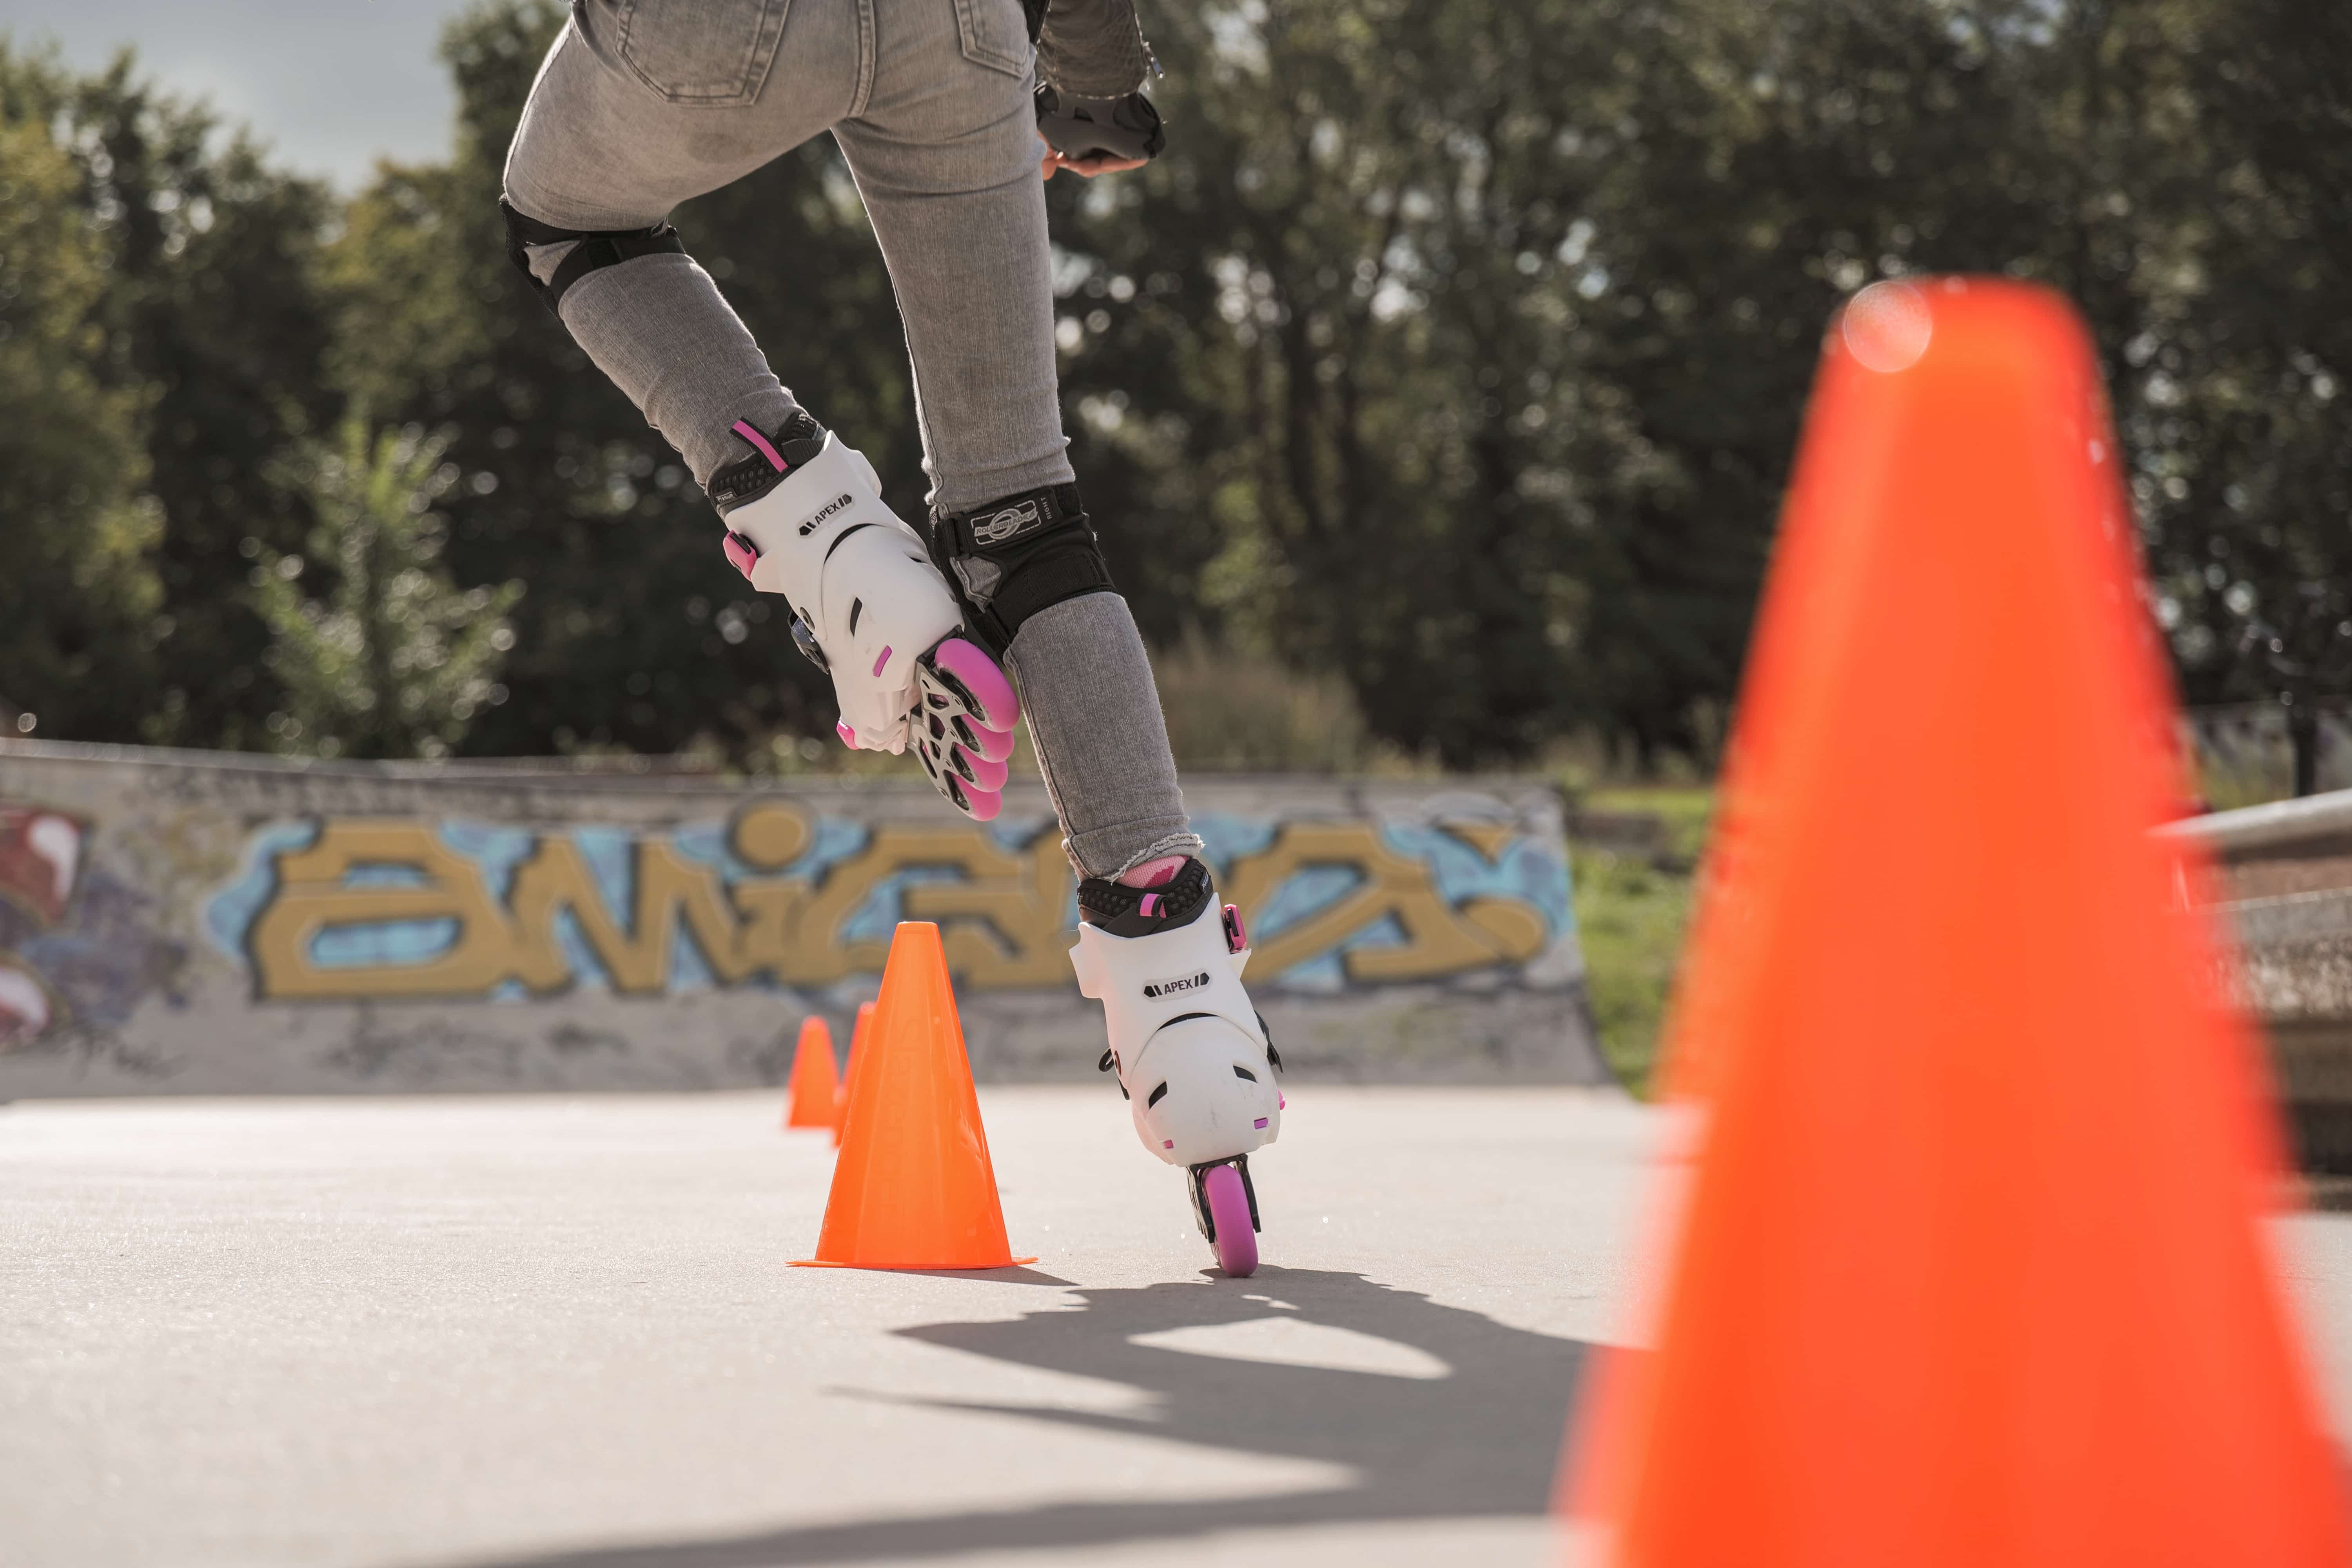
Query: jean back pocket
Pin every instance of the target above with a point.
(995, 34)
(712, 53)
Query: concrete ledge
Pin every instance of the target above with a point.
(200, 923)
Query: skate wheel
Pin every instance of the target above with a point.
(987, 696)
(1229, 1210)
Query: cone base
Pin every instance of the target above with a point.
(911, 1267)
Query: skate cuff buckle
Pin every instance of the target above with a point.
(741, 553)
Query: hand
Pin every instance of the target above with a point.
(1100, 163)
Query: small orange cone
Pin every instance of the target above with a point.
(1971, 1268)
(841, 1094)
(913, 1187)
(814, 1082)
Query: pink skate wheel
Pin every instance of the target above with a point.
(994, 705)
(986, 772)
(1229, 1212)
(979, 804)
(994, 744)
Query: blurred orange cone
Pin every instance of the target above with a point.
(814, 1081)
(840, 1095)
(913, 1187)
(1970, 1270)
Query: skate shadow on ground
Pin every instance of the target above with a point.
(1481, 1441)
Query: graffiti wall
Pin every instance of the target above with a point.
(191, 922)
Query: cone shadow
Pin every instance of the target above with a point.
(1481, 1441)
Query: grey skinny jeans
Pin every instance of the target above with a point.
(642, 104)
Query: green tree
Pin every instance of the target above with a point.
(210, 316)
(2235, 393)
(395, 660)
(77, 590)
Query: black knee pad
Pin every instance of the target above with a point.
(591, 248)
(1012, 558)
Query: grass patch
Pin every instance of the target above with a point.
(1632, 905)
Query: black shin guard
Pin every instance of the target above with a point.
(1015, 557)
(591, 248)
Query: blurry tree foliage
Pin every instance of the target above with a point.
(1455, 348)
(210, 316)
(78, 583)
(394, 660)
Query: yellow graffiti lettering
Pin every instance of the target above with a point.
(669, 892)
(1003, 914)
(1008, 923)
(1439, 939)
(1002, 920)
(312, 898)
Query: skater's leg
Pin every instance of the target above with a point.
(601, 149)
(1102, 745)
(629, 116)
(946, 157)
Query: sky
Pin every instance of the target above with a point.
(329, 86)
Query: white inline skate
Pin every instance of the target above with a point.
(805, 519)
(1193, 1056)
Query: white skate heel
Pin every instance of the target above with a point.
(805, 519)
(1191, 1054)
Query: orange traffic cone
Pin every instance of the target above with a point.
(1970, 1267)
(841, 1094)
(814, 1082)
(913, 1187)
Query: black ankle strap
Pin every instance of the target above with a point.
(1123, 911)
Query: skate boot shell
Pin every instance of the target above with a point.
(1191, 1054)
(805, 520)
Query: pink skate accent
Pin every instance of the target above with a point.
(1000, 708)
(1167, 1142)
(741, 553)
(1236, 935)
(1150, 904)
(848, 736)
(1152, 873)
(1281, 1103)
(986, 772)
(883, 660)
(745, 428)
(1260, 1124)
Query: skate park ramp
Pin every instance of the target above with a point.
(187, 922)
(2284, 883)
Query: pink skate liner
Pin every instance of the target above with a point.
(1001, 709)
(1152, 874)
(750, 432)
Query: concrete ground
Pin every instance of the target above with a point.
(563, 1333)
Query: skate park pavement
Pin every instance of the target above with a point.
(563, 1333)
